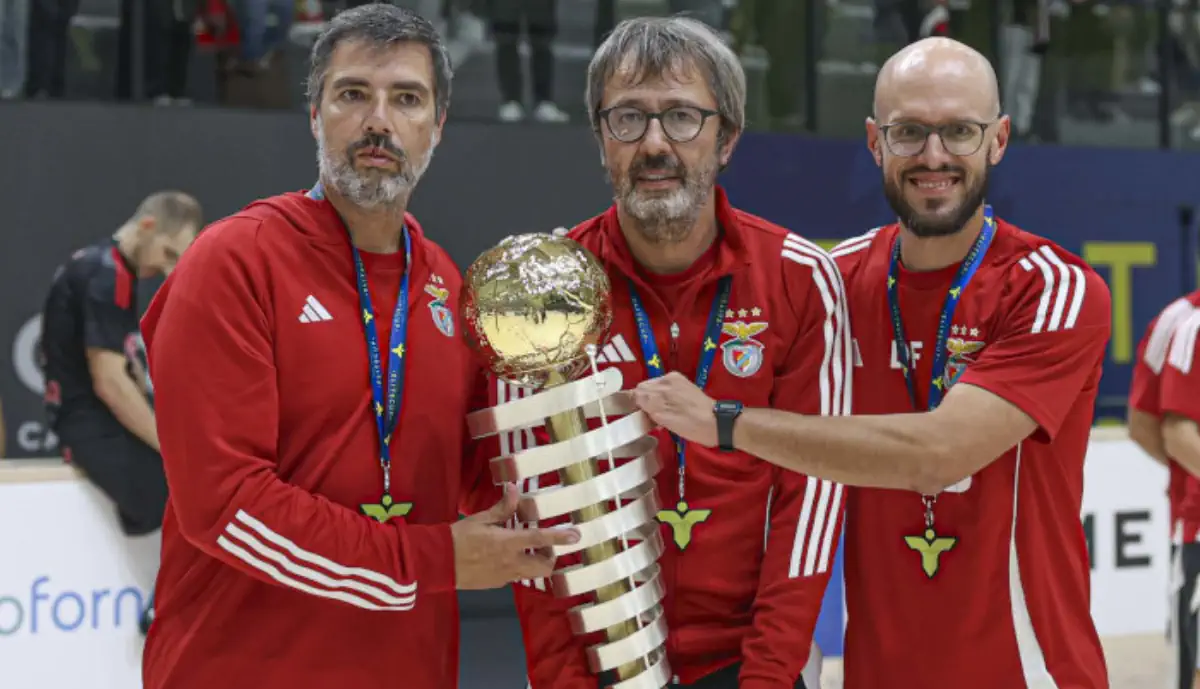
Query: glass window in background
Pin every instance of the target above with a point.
(1077, 73)
(1178, 70)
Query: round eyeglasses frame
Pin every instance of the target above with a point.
(938, 129)
(704, 115)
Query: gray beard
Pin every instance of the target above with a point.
(369, 191)
(666, 218)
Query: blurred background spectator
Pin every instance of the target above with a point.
(166, 47)
(535, 21)
(49, 22)
(14, 35)
(1090, 72)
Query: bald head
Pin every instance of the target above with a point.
(937, 74)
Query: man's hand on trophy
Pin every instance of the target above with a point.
(487, 555)
(675, 403)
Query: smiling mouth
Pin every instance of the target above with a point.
(935, 185)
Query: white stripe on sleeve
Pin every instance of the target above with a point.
(254, 543)
(814, 543)
(1064, 288)
(1183, 344)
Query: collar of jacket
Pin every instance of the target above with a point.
(732, 253)
(334, 230)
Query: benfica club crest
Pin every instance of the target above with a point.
(443, 317)
(743, 355)
(961, 352)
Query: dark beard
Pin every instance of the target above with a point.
(936, 227)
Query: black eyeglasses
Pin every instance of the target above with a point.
(681, 124)
(907, 139)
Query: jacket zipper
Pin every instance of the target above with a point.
(675, 346)
(673, 365)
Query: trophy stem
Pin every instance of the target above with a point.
(562, 427)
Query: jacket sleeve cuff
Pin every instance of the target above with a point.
(432, 546)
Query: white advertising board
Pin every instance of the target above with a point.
(72, 586)
(1125, 510)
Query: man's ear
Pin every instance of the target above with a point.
(314, 121)
(874, 141)
(1003, 132)
(147, 224)
(437, 131)
(726, 153)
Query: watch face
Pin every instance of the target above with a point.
(728, 407)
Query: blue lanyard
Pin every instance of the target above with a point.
(708, 351)
(386, 406)
(966, 270)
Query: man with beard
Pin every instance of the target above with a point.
(310, 536)
(979, 351)
(751, 311)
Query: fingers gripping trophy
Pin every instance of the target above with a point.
(537, 306)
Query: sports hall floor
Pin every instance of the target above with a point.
(1134, 662)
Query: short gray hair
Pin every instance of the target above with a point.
(654, 46)
(380, 25)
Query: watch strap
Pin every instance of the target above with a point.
(726, 413)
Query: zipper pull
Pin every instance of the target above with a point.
(674, 338)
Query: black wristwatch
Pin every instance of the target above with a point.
(726, 412)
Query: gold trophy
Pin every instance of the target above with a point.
(536, 307)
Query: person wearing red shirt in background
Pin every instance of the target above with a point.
(979, 353)
(744, 585)
(1162, 422)
(310, 536)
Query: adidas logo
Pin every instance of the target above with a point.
(616, 352)
(313, 311)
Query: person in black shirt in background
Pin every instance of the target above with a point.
(97, 393)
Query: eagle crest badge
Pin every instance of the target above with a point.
(742, 355)
(961, 352)
(443, 317)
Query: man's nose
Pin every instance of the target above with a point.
(378, 119)
(655, 141)
(935, 155)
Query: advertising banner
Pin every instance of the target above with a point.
(71, 584)
(72, 588)
(1126, 522)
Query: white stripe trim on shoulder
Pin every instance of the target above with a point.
(855, 244)
(1063, 290)
(1160, 335)
(1183, 344)
(254, 543)
(834, 372)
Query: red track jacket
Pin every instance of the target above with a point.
(271, 577)
(748, 586)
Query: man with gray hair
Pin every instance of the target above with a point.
(296, 552)
(756, 315)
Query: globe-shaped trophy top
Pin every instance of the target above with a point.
(532, 304)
